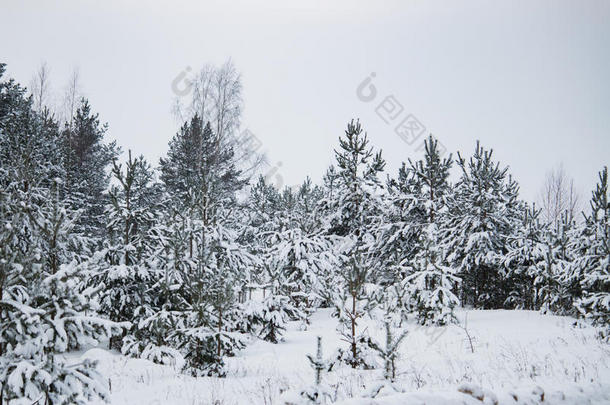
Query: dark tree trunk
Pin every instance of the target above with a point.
(353, 319)
(219, 348)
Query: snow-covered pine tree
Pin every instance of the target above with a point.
(198, 164)
(210, 330)
(389, 352)
(431, 282)
(298, 253)
(523, 261)
(397, 236)
(297, 259)
(403, 219)
(122, 266)
(171, 258)
(318, 363)
(310, 217)
(271, 219)
(482, 211)
(433, 175)
(264, 204)
(287, 277)
(42, 312)
(169, 263)
(389, 317)
(271, 316)
(538, 264)
(44, 315)
(594, 264)
(553, 286)
(318, 393)
(47, 315)
(199, 176)
(356, 213)
(181, 168)
(199, 172)
(269, 214)
(321, 260)
(328, 278)
(568, 287)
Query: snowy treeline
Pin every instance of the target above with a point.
(161, 262)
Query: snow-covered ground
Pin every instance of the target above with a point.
(519, 357)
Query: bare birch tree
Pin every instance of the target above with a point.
(200, 99)
(558, 195)
(71, 99)
(215, 96)
(40, 87)
(227, 99)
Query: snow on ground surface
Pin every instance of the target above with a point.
(519, 357)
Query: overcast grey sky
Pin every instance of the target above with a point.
(529, 78)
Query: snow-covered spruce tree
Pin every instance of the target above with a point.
(318, 393)
(356, 212)
(594, 242)
(482, 211)
(122, 266)
(85, 159)
(42, 313)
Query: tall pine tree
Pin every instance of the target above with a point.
(356, 213)
(483, 210)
